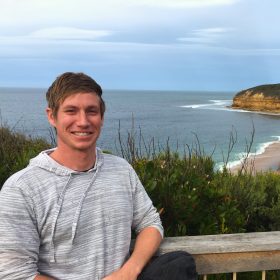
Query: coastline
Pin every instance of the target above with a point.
(268, 160)
(246, 110)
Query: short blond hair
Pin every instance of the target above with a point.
(70, 83)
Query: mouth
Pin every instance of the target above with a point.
(82, 133)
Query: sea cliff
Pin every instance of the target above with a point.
(264, 98)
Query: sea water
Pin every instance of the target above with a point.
(179, 118)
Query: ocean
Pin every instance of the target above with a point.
(178, 118)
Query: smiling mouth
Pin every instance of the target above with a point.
(82, 133)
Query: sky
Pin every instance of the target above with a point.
(215, 45)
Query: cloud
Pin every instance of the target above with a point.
(206, 35)
(18, 13)
(56, 12)
(68, 33)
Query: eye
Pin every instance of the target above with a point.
(69, 111)
(93, 111)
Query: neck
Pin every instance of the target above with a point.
(75, 160)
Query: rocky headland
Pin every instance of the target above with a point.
(264, 98)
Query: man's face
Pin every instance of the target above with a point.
(78, 122)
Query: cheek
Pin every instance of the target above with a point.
(64, 125)
(98, 122)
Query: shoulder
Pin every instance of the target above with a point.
(115, 161)
(17, 177)
(15, 191)
(21, 180)
(117, 166)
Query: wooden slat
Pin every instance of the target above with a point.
(223, 243)
(237, 262)
(226, 253)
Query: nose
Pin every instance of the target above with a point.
(82, 119)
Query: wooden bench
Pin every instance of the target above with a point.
(229, 253)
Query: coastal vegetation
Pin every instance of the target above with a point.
(272, 90)
(16, 149)
(195, 198)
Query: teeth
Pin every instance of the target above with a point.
(81, 133)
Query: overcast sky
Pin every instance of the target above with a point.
(141, 44)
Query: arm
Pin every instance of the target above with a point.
(19, 238)
(147, 242)
(147, 224)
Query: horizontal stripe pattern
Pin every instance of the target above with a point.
(69, 224)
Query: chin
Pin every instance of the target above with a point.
(85, 148)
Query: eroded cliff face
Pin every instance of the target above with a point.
(256, 99)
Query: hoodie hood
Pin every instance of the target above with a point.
(44, 161)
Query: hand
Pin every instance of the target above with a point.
(146, 244)
(122, 274)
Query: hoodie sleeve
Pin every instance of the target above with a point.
(144, 213)
(19, 238)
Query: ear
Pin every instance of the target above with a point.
(51, 117)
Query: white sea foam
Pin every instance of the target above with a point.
(194, 106)
(262, 147)
(241, 156)
(232, 164)
(212, 105)
(221, 102)
(224, 106)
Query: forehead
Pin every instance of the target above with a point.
(89, 98)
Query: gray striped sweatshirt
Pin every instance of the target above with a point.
(68, 224)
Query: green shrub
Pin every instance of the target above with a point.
(194, 198)
(191, 199)
(16, 150)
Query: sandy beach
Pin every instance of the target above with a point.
(269, 160)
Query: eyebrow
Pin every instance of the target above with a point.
(75, 107)
(69, 107)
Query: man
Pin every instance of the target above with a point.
(69, 214)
